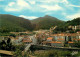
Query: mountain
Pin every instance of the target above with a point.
(64, 27)
(46, 22)
(12, 23)
(74, 22)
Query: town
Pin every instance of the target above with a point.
(44, 38)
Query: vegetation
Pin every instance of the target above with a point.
(74, 22)
(21, 46)
(9, 23)
(18, 50)
(18, 53)
(46, 22)
(8, 34)
(77, 55)
(64, 27)
(77, 44)
(7, 45)
(23, 34)
(53, 53)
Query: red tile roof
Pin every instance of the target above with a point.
(70, 42)
(65, 34)
(78, 39)
(27, 40)
(49, 38)
(55, 42)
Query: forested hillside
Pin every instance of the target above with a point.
(46, 22)
(10, 23)
(64, 27)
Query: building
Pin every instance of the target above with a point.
(27, 40)
(17, 40)
(50, 39)
(74, 27)
(61, 39)
(56, 44)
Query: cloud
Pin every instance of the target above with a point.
(11, 9)
(35, 5)
(49, 1)
(54, 1)
(11, 4)
(28, 17)
(65, 1)
(69, 5)
(76, 15)
(32, 2)
(48, 5)
(74, 5)
(51, 8)
(22, 3)
(17, 6)
(1, 0)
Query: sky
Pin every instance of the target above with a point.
(32, 9)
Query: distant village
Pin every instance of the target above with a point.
(45, 38)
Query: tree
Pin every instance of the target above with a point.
(77, 44)
(18, 53)
(13, 35)
(3, 45)
(9, 40)
(7, 45)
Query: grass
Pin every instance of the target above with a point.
(51, 53)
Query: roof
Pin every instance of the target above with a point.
(65, 34)
(70, 42)
(55, 42)
(51, 42)
(16, 39)
(27, 40)
(77, 39)
(49, 38)
(78, 32)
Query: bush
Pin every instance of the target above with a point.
(54, 53)
(77, 44)
(13, 35)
